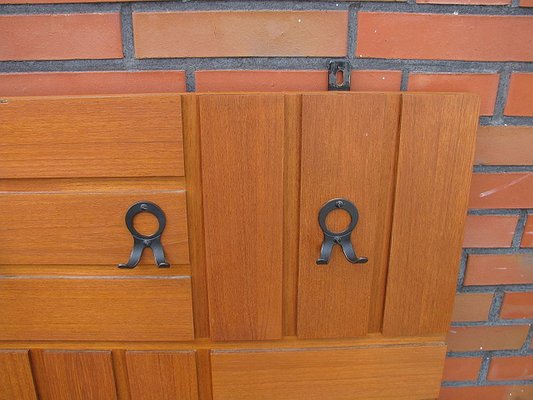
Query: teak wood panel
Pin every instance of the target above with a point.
(16, 381)
(76, 228)
(96, 309)
(74, 375)
(436, 149)
(242, 171)
(113, 136)
(162, 375)
(348, 150)
(385, 373)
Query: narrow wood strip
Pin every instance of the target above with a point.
(203, 365)
(193, 171)
(90, 186)
(291, 215)
(142, 270)
(120, 370)
(371, 340)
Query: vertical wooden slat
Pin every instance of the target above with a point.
(162, 375)
(195, 217)
(74, 375)
(242, 179)
(291, 206)
(16, 380)
(434, 170)
(348, 151)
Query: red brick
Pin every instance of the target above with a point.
(444, 37)
(504, 145)
(486, 393)
(461, 369)
(511, 368)
(469, 2)
(476, 338)
(489, 230)
(520, 97)
(527, 237)
(514, 190)
(526, 3)
(497, 269)
(517, 305)
(260, 81)
(60, 37)
(240, 33)
(376, 80)
(303, 80)
(486, 85)
(471, 307)
(81, 83)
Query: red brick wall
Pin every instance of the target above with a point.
(480, 46)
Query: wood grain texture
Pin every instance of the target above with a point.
(434, 171)
(74, 375)
(85, 227)
(162, 375)
(385, 373)
(203, 367)
(95, 309)
(242, 171)
(291, 206)
(348, 151)
(195, 213)
(117, 136)
(16, 381)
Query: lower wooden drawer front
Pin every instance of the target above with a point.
(395, 373)
(81, 308)
(98, 375)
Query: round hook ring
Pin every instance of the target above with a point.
(145, 206)
(338, 204)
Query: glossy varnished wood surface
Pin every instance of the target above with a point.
(104, 136)
(157, 375)
(434, 171)
(16, 381)
(86, 227)
(385, 373)
(348, 151)
(96, 309)
(74, 375)
(195, 216)
(242, 182)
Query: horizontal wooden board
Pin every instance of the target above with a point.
(108, 136)
(162, 375)
(61, 228)
(96, 309)
(76, 375)
(16, 381)
(395, 373)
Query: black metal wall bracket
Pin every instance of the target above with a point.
(335, 67)
(342, 238)
(140, 242)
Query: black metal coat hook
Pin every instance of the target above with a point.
(140, 242)
(342, 238)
